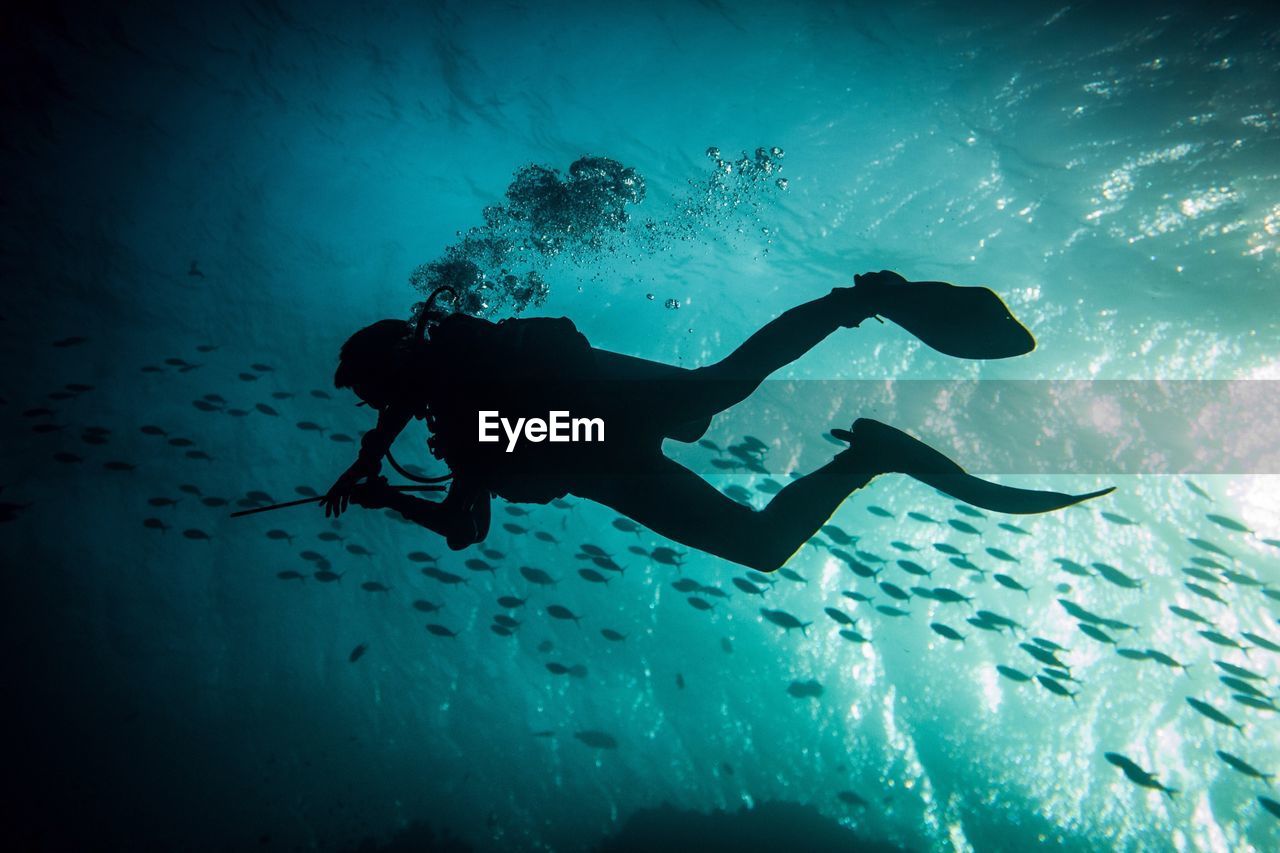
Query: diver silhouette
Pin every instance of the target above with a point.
(448, 368)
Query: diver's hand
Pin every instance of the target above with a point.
(373, 493)
(338, 497)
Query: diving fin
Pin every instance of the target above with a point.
(894, 451)
(966, 322)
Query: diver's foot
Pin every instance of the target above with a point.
(966, 322)
(872, 293)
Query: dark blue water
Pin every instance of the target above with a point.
(214, 198)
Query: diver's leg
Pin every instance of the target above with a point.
(676, 503)
(706, 391)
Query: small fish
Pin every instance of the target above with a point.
(1245, 767)
(1164, 660)
(856, 567)
(1197, 490)
(1202, 574)
(1239, 685)
(1072, 567)
(1221, 640)
(421, 557)
(1240, 578)
(699, 603)
(1116, 518)
(840, 616)
(913, 568)
(946, 631)
(1002, 555)
(506, 621)
(196, 534)
(791, 575)
(1013, 528)
(119, 466)
(805, 689)
(266, 410)
(1238, 671)
(1228, 523)
(1013, 674)
(440, 630)
(1132, 654)
(1260, 641)
(784, 620)
(894, 591)
(947, 548)
(997, 619)
(853, 595)
(965, 509)
(849, 798)
(321, 395)
(853, 636)
(291, 575)
(279, 534)
(626, 525)
(424, 606)
(1054, 687)
(950, 596)
(667, 556)
(837, 535)
(879, 511)
(326, 576)
(358, 652)
(341, 438)
(1096, 632)
(1011, 583)
(592, 576)
(892, 611)
(922, 518)
(1137, 775)
(612, 635)
(514, 529)
(310, 426)
(1212, 713)
(1189, 615)
(155, 524)
(1204, 593)
(374, 586)
(475, 564)
(1115, 576)
(536, 576)
(597, 739)
(1206, 545)
(448, 578)
(964, 527)
(557, 611)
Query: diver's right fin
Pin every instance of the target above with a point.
(901, 453)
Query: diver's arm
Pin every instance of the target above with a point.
(374, 445)
(462, 517)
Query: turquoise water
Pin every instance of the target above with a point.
(1111, 172)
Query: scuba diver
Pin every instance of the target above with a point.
(454, 370)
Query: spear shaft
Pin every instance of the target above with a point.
(319, 498)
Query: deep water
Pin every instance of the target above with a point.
(202, 201)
